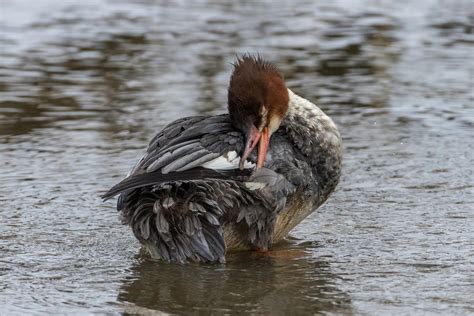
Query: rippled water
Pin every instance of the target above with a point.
(85, 84)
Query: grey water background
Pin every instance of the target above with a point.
(85, 84)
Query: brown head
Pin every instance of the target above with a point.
(258, 102)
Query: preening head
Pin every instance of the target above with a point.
(258, 102)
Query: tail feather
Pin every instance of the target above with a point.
(181, 220)
(177, 228)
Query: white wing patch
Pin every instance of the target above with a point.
(254, 185)
(227, 161)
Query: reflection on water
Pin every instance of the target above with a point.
(84, 85)
(285, 281)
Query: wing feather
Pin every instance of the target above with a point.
(189, 143)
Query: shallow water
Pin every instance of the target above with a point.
(85, 84)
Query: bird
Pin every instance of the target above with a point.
(240, 180)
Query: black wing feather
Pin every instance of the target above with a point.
(180, 144)
(145, 179)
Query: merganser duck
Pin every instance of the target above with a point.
(200, 190)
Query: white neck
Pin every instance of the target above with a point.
(317, 138)
(312, 131)
(321, 126)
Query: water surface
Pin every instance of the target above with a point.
(85, 84)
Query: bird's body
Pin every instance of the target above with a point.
(187, 198)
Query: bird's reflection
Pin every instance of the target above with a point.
(286, 280)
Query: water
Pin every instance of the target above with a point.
(85, 84)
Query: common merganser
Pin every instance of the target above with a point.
(200, 190)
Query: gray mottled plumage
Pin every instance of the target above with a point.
(183, 211)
